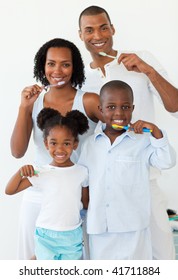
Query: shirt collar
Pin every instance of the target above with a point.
(101, 126)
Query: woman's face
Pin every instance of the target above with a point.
(58, 66)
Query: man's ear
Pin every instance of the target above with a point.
(80, 34)
(75, 145)
(133, 108)
(113, 29)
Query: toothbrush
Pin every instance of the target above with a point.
(105, 54)
(36, 172)
(126, 127)
(58, 84)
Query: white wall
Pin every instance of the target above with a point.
(25, 25)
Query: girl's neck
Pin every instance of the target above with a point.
(65, 164)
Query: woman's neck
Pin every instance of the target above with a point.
(60, 99)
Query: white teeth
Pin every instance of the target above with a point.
(57, 79)
(60, 156)
(118, 121)
(99, 44)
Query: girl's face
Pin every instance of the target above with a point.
(116, 108)
(58, 66)
(61, 143)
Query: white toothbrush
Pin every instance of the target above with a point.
(58, 84)
(105, 54)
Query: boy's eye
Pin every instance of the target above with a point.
(111, 107)
(126, 107)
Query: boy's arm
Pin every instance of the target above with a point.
(163, 156)
(140, 124)
(85, 197)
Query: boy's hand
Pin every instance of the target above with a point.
(139, 125)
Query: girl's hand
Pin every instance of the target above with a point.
(27, 171)
(30, 94)
(139, 125)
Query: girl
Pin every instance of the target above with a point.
(58, 234)
(57, 61)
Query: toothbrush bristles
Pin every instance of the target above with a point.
(103, 53)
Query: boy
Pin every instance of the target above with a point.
(118, 163)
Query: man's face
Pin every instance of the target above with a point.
(96, 32)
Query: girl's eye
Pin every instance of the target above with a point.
(67, 144)
(53, 143)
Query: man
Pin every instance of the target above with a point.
(147, 78)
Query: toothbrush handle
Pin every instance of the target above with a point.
(144, 129)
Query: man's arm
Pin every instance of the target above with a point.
(167, 92)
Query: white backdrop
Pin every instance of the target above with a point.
(25, 25)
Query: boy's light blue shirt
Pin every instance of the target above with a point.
(119, 179)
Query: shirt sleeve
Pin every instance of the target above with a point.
(163, 155)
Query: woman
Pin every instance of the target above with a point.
(59, 67)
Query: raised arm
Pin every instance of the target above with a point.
(23, 126)
(167, 92)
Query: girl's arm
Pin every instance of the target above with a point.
(85, 197)
(18, 181)
(23, 126)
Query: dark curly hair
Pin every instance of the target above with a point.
(74, 120)
(78, 76)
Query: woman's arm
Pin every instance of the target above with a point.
(23, 126)
(85, 197)
(91, 103)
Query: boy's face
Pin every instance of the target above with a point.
(116, 107)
